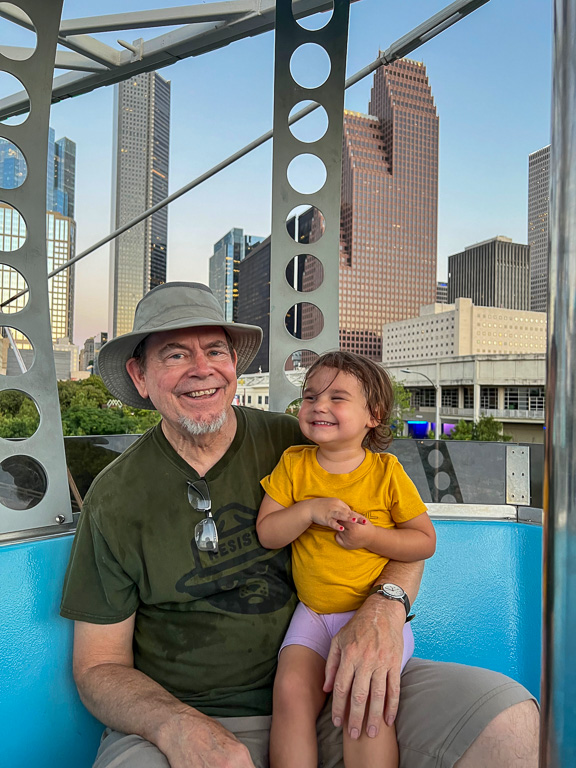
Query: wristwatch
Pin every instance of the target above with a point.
(393, 592)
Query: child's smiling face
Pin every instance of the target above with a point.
(334, 409)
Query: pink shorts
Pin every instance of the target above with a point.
(316, 630)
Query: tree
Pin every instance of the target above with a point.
(401, 408)
(486, 429)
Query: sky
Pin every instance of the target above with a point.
(490, 76)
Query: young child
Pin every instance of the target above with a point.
(346, 509)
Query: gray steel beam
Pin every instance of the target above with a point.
(159, 52)
(164, 17)
(64, 59)
(33, 477)
(558, 738)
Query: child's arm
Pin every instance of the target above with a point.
(407, 542)
(278, 526)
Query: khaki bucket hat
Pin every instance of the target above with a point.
(171, 307)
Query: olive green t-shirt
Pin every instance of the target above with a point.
(208, 625)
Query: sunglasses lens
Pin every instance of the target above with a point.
(206, 535)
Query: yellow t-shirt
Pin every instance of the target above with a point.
(329, 578)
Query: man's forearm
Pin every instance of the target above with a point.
(406, 575)
(127, 700)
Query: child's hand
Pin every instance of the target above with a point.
(357, 534)
(332, 513)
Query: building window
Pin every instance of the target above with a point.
(450, 397)
(489, 398)
(468, 397)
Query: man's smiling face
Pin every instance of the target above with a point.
(190, 377)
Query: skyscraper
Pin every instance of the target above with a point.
(229, 251)
(494, 273)
(538, 203)
(64, 177)
(389, 207)
(140, 180)
(60, 232)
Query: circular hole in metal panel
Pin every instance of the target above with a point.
(9, 85)
(310, 65)
(311, 127)
(14, 362)
(13, 165)
(306, 174)
(305, 273)
(18, 43)
(13, 232)
(305, 224)
(435, 458)
(19, 416)
(11, 283)
(304, 320)
(297, 363)
(316, 20)
(442, 480)
(23, 482)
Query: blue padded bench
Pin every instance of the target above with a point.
(479, 604)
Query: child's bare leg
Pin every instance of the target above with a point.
(364, 752)
(298, 700)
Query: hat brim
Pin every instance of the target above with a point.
(113, 356)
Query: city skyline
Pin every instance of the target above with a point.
(494, 112)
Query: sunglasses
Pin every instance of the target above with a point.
(205, 532)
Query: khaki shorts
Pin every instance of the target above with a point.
(443, 708)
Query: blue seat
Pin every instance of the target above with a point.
(479, 604)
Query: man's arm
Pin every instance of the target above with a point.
(128, 701)
(365, 656)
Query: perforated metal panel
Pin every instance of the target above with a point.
(37, 463)
(332, 38)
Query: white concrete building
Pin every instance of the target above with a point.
(453, 330)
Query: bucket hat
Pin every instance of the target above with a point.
(171, 307)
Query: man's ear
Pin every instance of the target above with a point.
(134, 368)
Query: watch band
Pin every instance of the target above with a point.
(403, 598)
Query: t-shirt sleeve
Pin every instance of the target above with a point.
(278, 484)
(96, 588)
(405, 501)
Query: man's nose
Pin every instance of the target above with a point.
(199, 365)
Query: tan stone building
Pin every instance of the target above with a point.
(454, 330)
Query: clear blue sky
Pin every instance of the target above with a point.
(490, 76)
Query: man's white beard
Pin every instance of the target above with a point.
(197, 428)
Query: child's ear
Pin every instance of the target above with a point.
(373, 422)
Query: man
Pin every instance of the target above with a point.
(178, 622)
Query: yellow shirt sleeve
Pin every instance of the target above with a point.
(278, 484)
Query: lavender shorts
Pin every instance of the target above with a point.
(316, 630)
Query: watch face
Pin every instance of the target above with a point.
(393, 590)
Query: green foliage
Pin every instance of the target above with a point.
(401, 408)
(486, 429)
(83, 410)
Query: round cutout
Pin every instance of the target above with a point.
(305, 224)
(23, 482)
(13, 232)
(311, 127)
(304, 320)
(14, 362)
(19, 416)
(306, 174)
(9, 85)
(299, 361)
(305, 273)
(310, 65)
(18, 43)
(13, 164)
(316, 20)
(12, 283)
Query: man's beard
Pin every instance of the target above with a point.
(197, 428)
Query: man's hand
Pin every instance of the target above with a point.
(192, 740)
(363, 666)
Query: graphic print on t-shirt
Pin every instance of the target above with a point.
(242, 577)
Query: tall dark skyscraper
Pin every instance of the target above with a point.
(494, 273)
(389, 207)
(538, 205)
(64, 177)
(229, 251)
(140, 180)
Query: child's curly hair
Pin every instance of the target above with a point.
(377, 389)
